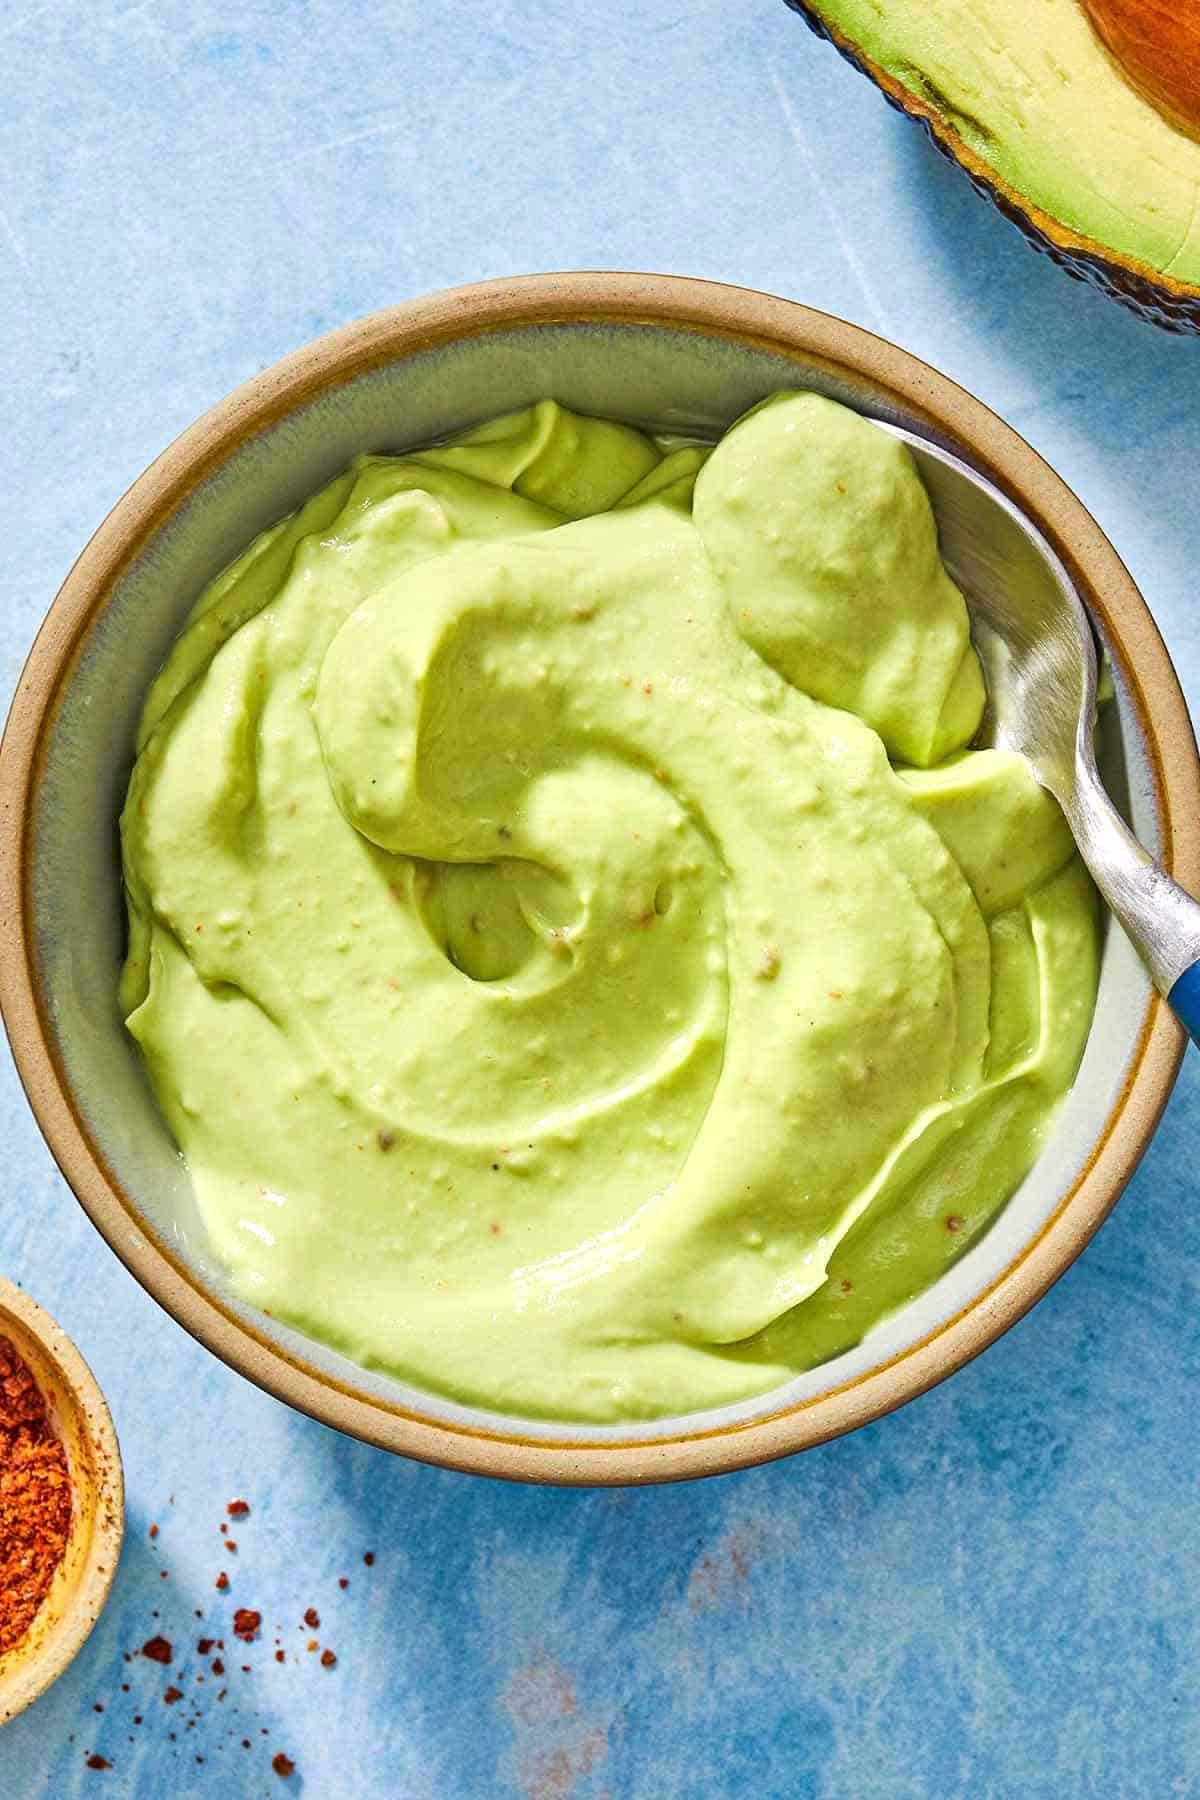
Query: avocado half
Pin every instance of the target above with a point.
(1024, 96)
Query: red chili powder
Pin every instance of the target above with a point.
(35, 1498)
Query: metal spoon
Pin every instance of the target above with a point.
(1039, 662)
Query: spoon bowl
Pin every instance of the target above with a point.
(1038, 654)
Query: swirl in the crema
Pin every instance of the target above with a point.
(555, 990)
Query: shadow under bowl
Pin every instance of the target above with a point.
(679, 355)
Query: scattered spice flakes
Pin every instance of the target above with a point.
(328, 1659)
(369, 1558)
(312, 1645)
(283, 1765)
(172, 1695)
(153, 1531)
(97, 1762)
(847, 1287)
(237, 1509)
(342, 1582)
(955, 1222)
(230, 1544)
(280, 1656)
(158, 1649)
(218, 1667)
(312, 1618)
(204, 1646)
(222, 1582)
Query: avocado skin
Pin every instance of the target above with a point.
(1172, 305)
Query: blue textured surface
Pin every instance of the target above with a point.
(992, 1593)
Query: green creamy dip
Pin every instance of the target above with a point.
(579, 961)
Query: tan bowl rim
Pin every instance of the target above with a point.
(746, 317)
(32, 1675)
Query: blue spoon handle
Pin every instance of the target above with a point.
(1185, 999)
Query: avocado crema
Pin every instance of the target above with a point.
(583, 968)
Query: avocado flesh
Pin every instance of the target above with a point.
(1026, 96)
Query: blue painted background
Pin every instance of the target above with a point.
(993, 1593)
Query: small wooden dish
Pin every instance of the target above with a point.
(79, 1414)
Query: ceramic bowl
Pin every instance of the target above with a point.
(684, 355)
(78, 1414)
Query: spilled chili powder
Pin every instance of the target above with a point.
(246, 1623)
(35, 1498)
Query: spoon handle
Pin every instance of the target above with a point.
(1159, 917)
(1185, 999)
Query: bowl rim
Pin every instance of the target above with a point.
(31, 1675)
(743, 316)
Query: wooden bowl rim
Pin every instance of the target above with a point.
(29, 1675)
